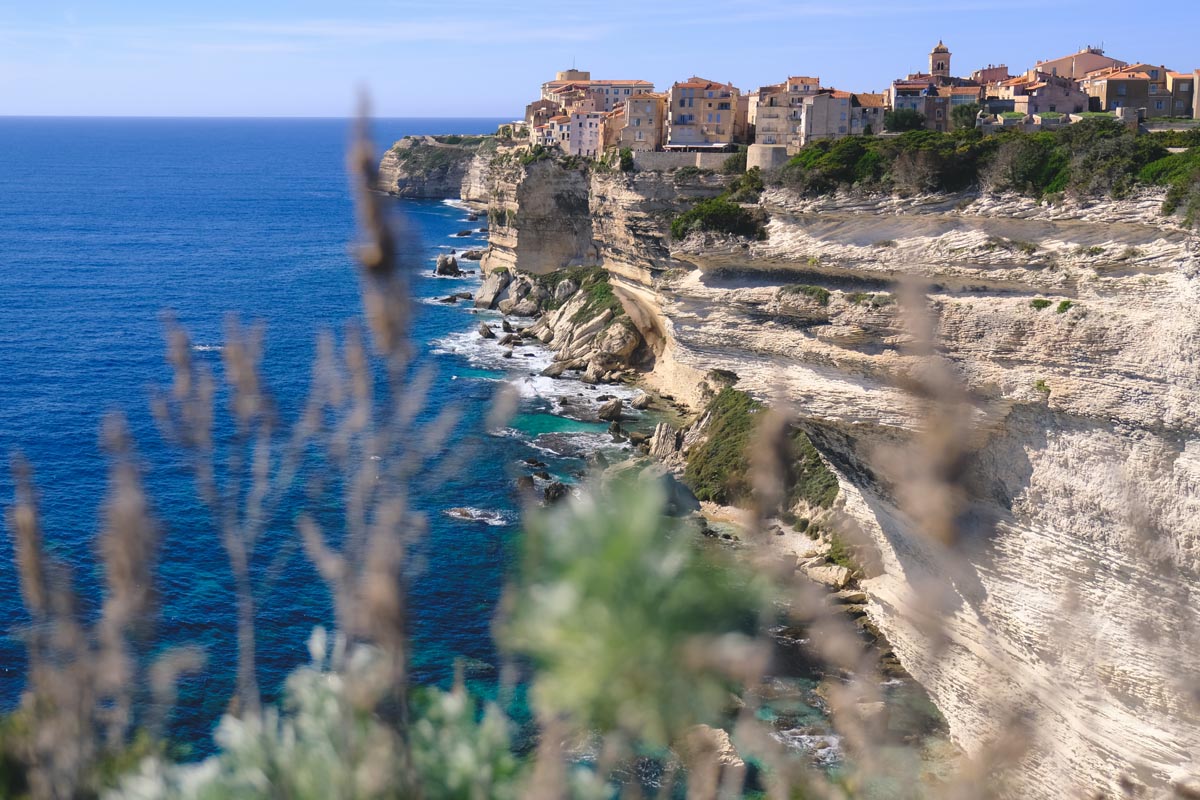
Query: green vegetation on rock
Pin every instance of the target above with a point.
(717, 215)
(1040, 303)
(810, 481)
(818, 294)
(717, 470)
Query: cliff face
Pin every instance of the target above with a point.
(424, 167)
(538, 217)
(1071, 331)
(1071, 596)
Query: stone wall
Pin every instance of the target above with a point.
(647, 160)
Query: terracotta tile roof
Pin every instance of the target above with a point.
(804, 79)
(560, 119)
(871, 100)
(839, 95)
(1128, 75)
(702, 83)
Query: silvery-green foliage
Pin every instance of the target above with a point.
(629, 622)
(326, 744)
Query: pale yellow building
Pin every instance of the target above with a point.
(702, 114)
(644, 122)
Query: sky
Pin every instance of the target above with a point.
(487, 58)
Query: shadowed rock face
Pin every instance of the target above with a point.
(1069, 596)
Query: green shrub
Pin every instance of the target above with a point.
(1039, 303)
(903, 119)
(735, 164)
(819, 294)
(626, 159)
(964, 116)
(840, 554)
(717, 215)
(1041, 386)
(1063, 307)
(717, 470)
(747, 187)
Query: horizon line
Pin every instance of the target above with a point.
(232, 116)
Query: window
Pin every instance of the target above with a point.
(1186, 86)
(718, 118)
(1121, 90)
(843, 116)
(710, 94)
(1158, 105)
(1154, 74)
(637, 123)
(626, 91)
(710, 117)
(1154, 88)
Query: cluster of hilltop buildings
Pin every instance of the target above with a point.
(587, 117)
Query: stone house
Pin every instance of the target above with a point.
(645, 122)
(1182, 88)
(1038, 92)
(832, 114)
(1078, 65)
(584, 134)
(702, 114)
(609, 93)
(1138, 86)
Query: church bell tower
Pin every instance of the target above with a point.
(939, 61)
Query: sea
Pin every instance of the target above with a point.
(109, 225)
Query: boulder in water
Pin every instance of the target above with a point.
(525, 483)
(504, 326)
(610, 411)
(447, 265)
(472, 217)
(463, 233)
(555, 493)
(555, 370)
(641, 402)
(449, 300)
(472, 255)
(486, 331)
(490, 290)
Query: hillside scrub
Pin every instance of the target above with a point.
(1096, 157)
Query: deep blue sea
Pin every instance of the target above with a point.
(105, 224)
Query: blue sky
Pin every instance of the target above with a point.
(487, 57)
